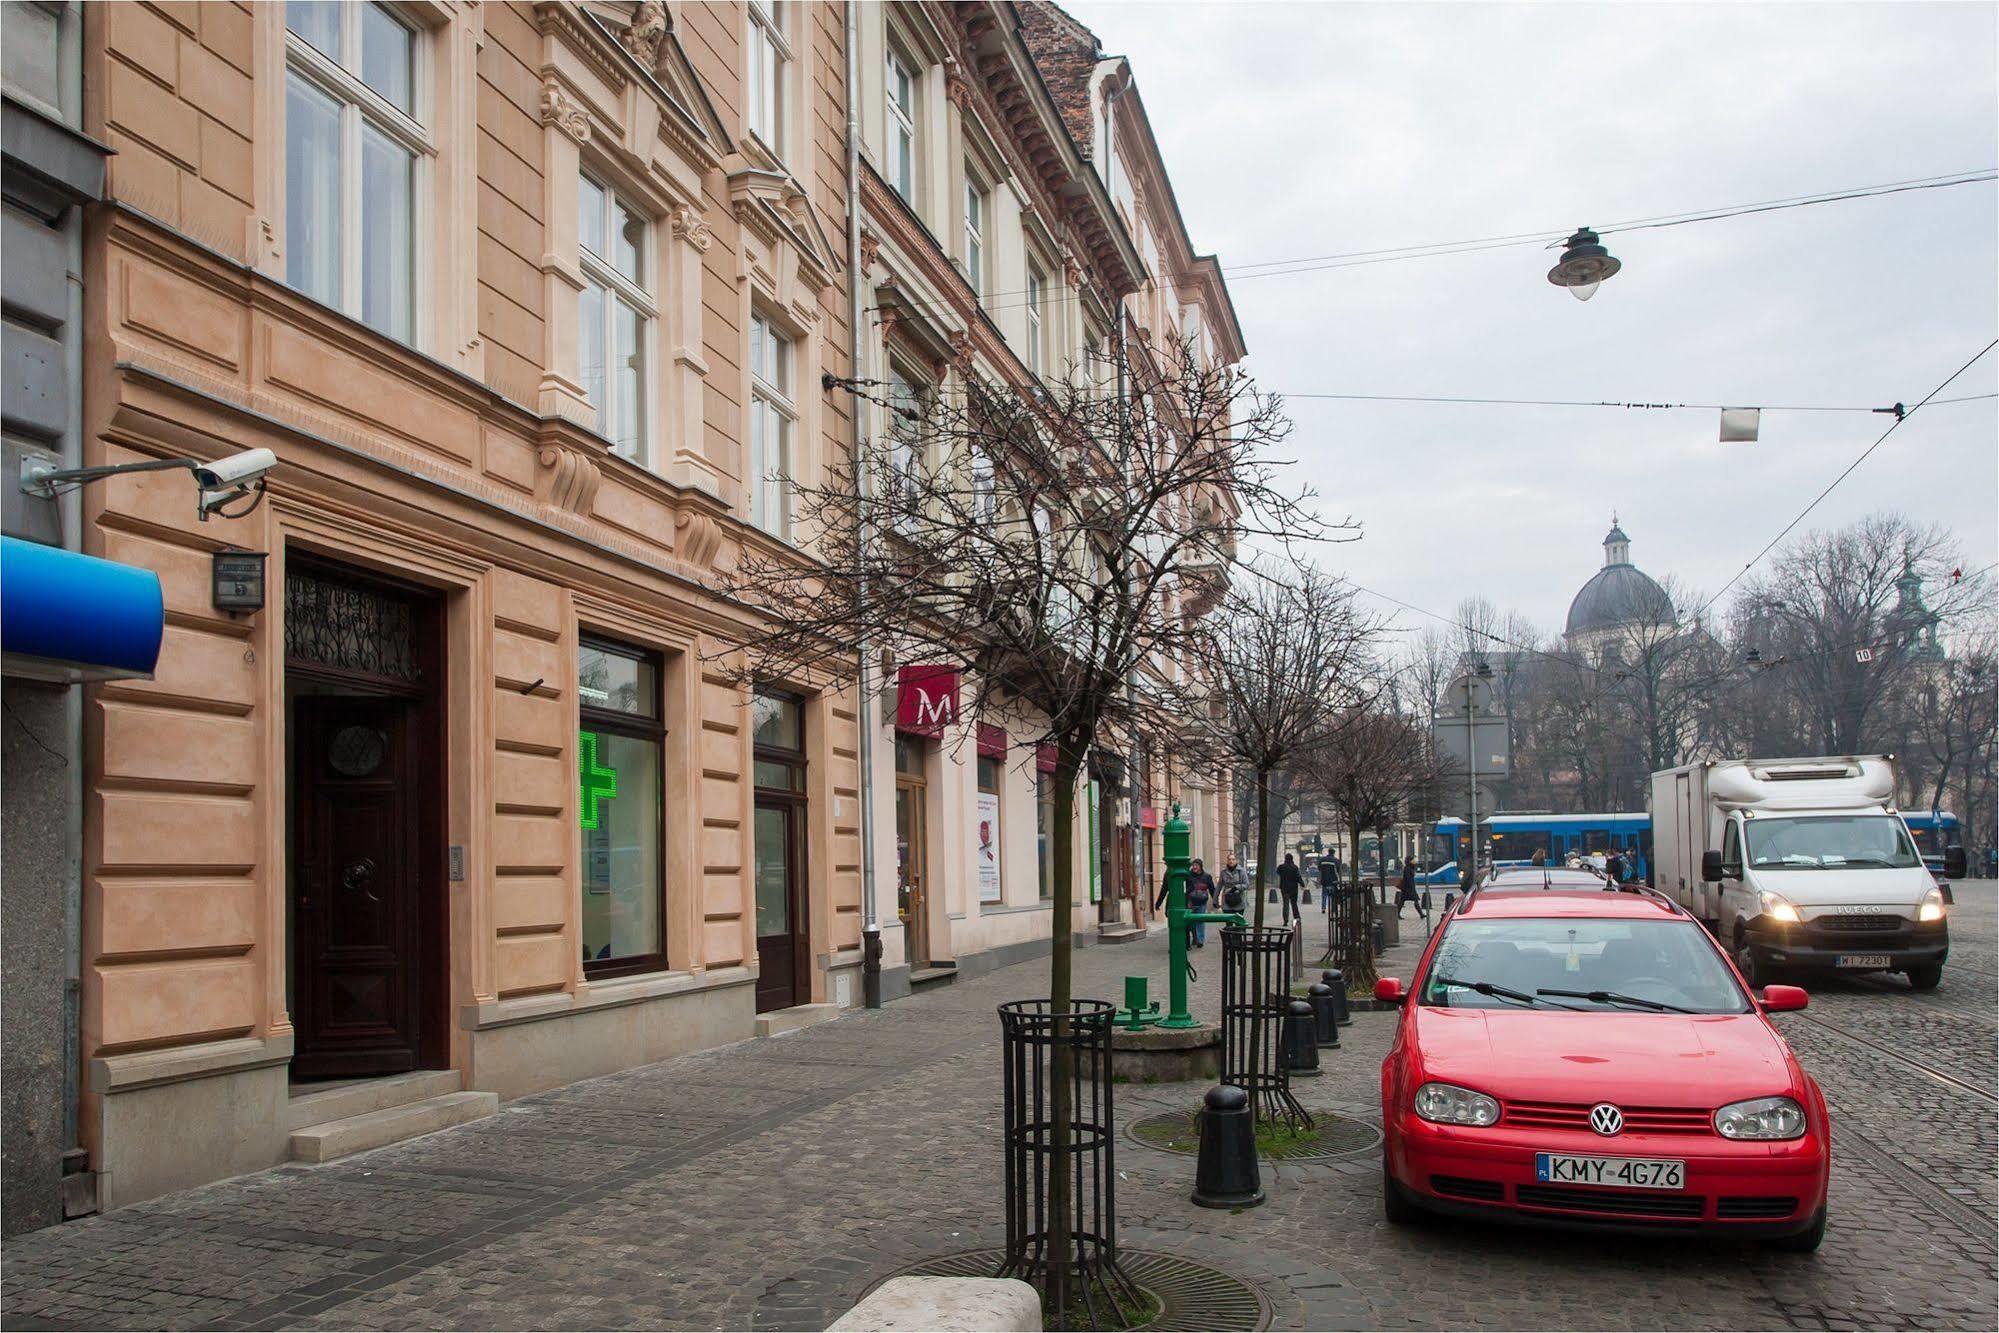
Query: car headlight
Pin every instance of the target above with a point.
(1763, 1118)
(1448, 1104)
(1777, 907)
(1932, 908)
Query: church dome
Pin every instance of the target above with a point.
(1618, 594)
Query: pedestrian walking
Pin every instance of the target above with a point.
(1234, 884)
(1289, 880)
(1200, 893)
(1540, 856)
(1613, 866)
(1405, 890)
(1329, 882)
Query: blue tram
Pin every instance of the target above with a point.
(1934, 831)
(1512, 839)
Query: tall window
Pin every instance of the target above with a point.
(355, 145)
(1044, 829)
(975, 235)
(905, 427)
(984, 486)
(901, 128)
(614, 317)
(772, 415)
(620, 750)
(988, 853)
(1035, 285)
(769, 54)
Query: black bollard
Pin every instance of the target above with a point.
(1380, 938)
(1301, 1052)
(1226, 1175)
(1325, 1015)
(1333, 978)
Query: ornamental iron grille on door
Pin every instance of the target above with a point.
(349, 627)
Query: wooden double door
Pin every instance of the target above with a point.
(368, 962)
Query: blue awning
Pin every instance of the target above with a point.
(65, 616)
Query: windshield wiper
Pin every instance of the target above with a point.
(1612, 997)
(1487, 988)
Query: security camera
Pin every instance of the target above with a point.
(235, 471)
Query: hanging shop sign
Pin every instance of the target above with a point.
(992, 741)
(926, 699)
(67, 617)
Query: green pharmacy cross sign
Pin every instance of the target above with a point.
(597, 782)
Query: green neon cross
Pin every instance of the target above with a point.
(598, 783)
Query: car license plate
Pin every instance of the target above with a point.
(1625, 1173)
(1863, 960)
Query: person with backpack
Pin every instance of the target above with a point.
(1200, 892)
(1235, 887)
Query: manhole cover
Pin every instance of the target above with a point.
(1190, 1295)
(1330, 1136)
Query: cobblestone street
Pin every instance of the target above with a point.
(767, 1184)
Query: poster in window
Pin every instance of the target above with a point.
(987, 842)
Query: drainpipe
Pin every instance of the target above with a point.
(871, 931)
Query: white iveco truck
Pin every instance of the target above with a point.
(1799, 864)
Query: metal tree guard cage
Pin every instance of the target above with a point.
(1256, 989)
(1033, 1032)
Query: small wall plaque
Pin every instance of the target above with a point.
(238, 581)
(457, 859)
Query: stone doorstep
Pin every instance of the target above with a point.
(947, 1304)
(1120, 934)
(393, 1124)
(798, 1017)
(341, 1101)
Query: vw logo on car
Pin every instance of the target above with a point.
(1605, 1119)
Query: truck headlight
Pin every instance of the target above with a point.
(1762, 1118)
(1932, 908)
(1777, 907)
(1448, 1104)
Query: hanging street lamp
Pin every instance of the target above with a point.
(1585, 264)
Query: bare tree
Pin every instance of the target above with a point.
(1371, 766)
(1287, 656)
(1057, 544)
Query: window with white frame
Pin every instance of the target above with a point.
(773, 415)
(614, 315)
(1036, 286)
(902, 92)
(984, 485)
(356, 156)
(975, 234)
(770, 58)
(905, 433)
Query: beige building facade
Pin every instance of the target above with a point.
(540, 307)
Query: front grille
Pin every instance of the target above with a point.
(1858, 921)
(1773, 1205)
(1637, 1119)
(1608, 1201)
(1461, 1187)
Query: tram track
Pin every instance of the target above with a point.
(1927, 1070)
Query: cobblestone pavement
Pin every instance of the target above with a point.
(766, 1185)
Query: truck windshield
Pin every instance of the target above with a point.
(1829, 842)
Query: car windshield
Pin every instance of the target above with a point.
(1829, 842)
(1580, 963)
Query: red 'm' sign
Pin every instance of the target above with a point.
(926, 699)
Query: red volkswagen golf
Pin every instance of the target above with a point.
(1576, 1056)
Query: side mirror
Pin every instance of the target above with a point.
(1783, 999)
(1711, 867)
(1388, 990)
(1954, 862)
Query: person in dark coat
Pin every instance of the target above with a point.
(1289, 880)
(1405, 890)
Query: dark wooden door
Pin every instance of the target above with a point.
(356, 933)
(781, 934)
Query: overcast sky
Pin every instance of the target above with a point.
(1308, 129)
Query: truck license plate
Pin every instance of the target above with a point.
(1627, 1173)
(1863, 960)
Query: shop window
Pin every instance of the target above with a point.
(1044, 830)
(356, 153)
(614, 324)
(988, 840)
(621, 744)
